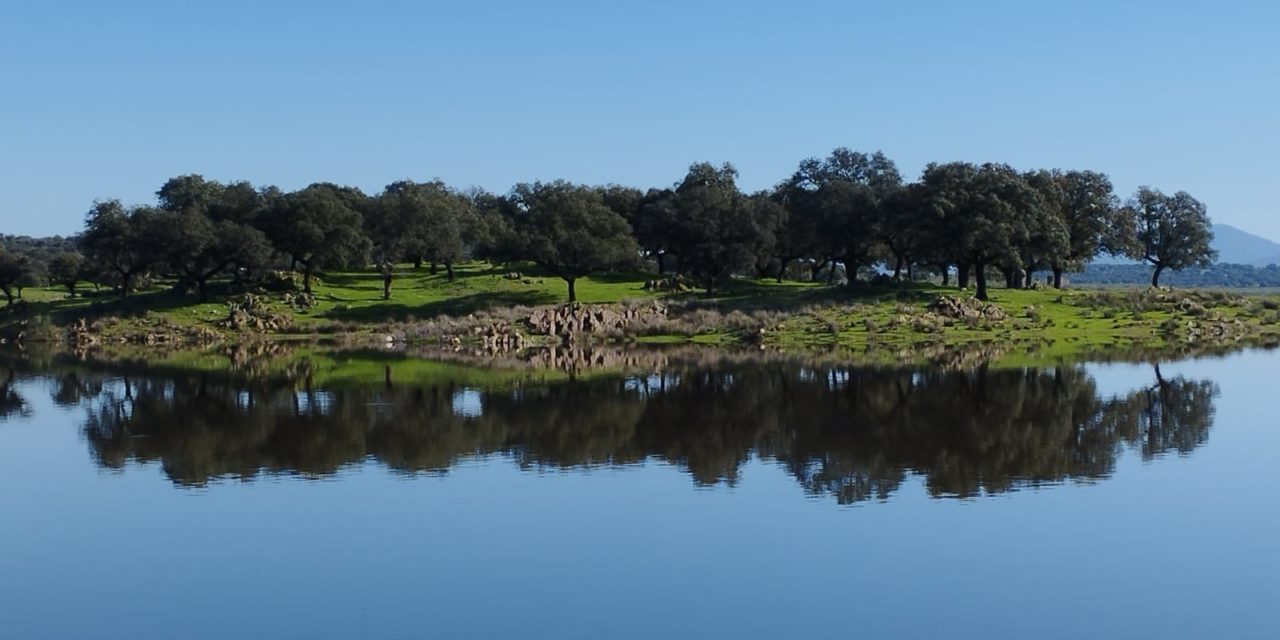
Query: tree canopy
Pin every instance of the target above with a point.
(1170, 232)
(568, 230)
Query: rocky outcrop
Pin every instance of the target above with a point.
(251, 313)
(569, 321)
(967, 309)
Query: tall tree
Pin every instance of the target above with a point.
(1087, 207)
(835, 208)
(715, 229)
(906, 229)
(318, 228)
(983, 211)
(1169, 232)
(654, 226)
(1048, 237)
(568, 230)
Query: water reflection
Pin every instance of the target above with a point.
(852, 433)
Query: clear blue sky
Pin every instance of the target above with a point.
(108, 99)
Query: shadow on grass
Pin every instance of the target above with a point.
(459, 306)
(747, 295)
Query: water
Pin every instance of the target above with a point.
(695, 499)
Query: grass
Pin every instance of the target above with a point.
(883, 322)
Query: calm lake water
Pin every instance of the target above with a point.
(733, 499)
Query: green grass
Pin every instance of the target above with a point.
(880, 322)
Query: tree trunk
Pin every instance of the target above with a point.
(816, 269)
(434, 268)
(386, 283)
(8, 295)
(1028, 279)
(417, 262)
(125, 282)
(850, 273)
(1010, 277)
(306, 278)
(1155, 277)
(71, 289)
(782, 268)
(980, 272)
(962, 276)
(897, 268)
(573, 293)
(831, 275)
(946, 274)
(1057, 277)
(448, 269)
(202, 287)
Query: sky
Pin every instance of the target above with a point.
(109, 99)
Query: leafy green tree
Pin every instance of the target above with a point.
(907, 229)
(119, 243)
(197, 249)
(984, 213)
(67, 269)
(715, 227)
(426, 221)
(14, 268)
(1087, 206)
(1048, 237)
(835, 208)
(568, 230)
(1169, 232)
(654, 226)
(318, 228)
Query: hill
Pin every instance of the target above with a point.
(1237, 246)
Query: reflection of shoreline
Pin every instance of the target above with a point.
(854, 433)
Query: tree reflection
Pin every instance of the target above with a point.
(853, 433)
(11, 402)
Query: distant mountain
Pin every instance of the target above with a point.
(1234, 245)
(1238, 246)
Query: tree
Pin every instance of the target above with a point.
(423, 221)
(654, 226)
(318, 228)
(1048, 237)
(983, 212)
(67, 269)
(14, 268)
(906, 229)
(197, 249)
(118, 242)
(1170, 232)
(835, 208)
(1087, 207)
(715, 229)
(568, 230)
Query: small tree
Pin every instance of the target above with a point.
(1170, 232)
(14, 269)
(568, 230)
(67, 269)
(119, 243)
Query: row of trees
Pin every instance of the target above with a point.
(835, 218)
